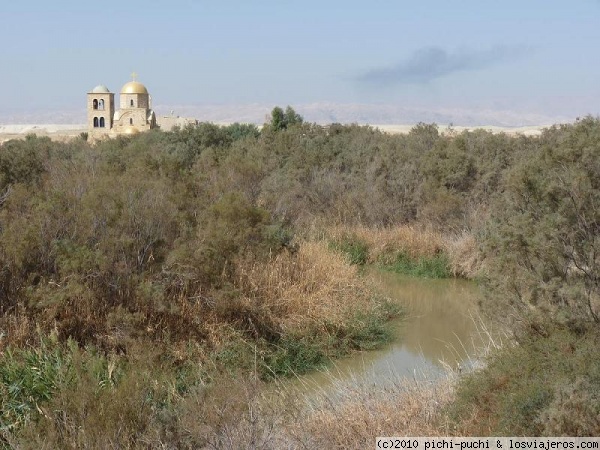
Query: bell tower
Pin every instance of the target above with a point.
(100, 110)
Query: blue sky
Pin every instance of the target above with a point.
(533, 55)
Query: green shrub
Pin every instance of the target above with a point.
(370, 331)
(541, 243)
(574, 410)
(294, 355)
(549, 385)
(22, 161)
(355, 250)
(437, 266)
(29, 378)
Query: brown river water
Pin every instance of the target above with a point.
(439, 331)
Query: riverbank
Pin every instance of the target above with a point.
(521, 387)
(411, 250)
(324, 308)
(292, 313)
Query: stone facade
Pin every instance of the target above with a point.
(134, 115)
(101, 110)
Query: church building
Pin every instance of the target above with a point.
(135, 112)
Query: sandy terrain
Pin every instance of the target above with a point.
(526, 131)
(58, 132)
(64, 132)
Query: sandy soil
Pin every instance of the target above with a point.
(66, 132)
(526, 131)
(58, 132)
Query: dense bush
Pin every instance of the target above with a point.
(548, 385)
(541, 248)
(193, 244)
(543, 239)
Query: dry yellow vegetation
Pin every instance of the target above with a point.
(386, 243)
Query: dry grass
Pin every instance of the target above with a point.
(385, 242)
(354, 413)
(416, 242)
(306, 288)
(16, 329)
(350, 414)
(463, 254)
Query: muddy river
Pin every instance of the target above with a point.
(439, 330)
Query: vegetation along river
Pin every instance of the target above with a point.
(441, 329)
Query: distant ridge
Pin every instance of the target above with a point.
(321, 112)
(324, 113)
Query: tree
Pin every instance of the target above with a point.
(424, 136)
(543, 240)
(238, 130)
(281, 120)
(292, 117)
(278, 119)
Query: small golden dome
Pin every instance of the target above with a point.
(133, 87)
(131, 130)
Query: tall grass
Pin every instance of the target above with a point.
(464, 257)
(317, 302)
(313, 287)
(412, 250)
(349, 414)
(355, 412)
(435, 267)
(28, 378)
(384, 243)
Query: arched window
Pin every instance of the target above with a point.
(131, 121)
(131, 102)
(95, 122)
(101, 105)
(95, 104)
(102, 123)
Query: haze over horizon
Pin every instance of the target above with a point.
(511, 63)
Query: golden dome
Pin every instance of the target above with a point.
(131, 130)
(133, 87)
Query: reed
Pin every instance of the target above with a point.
(384, 243)
(411, 249)
(352, 412)
(316, 306)
(312, 287)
